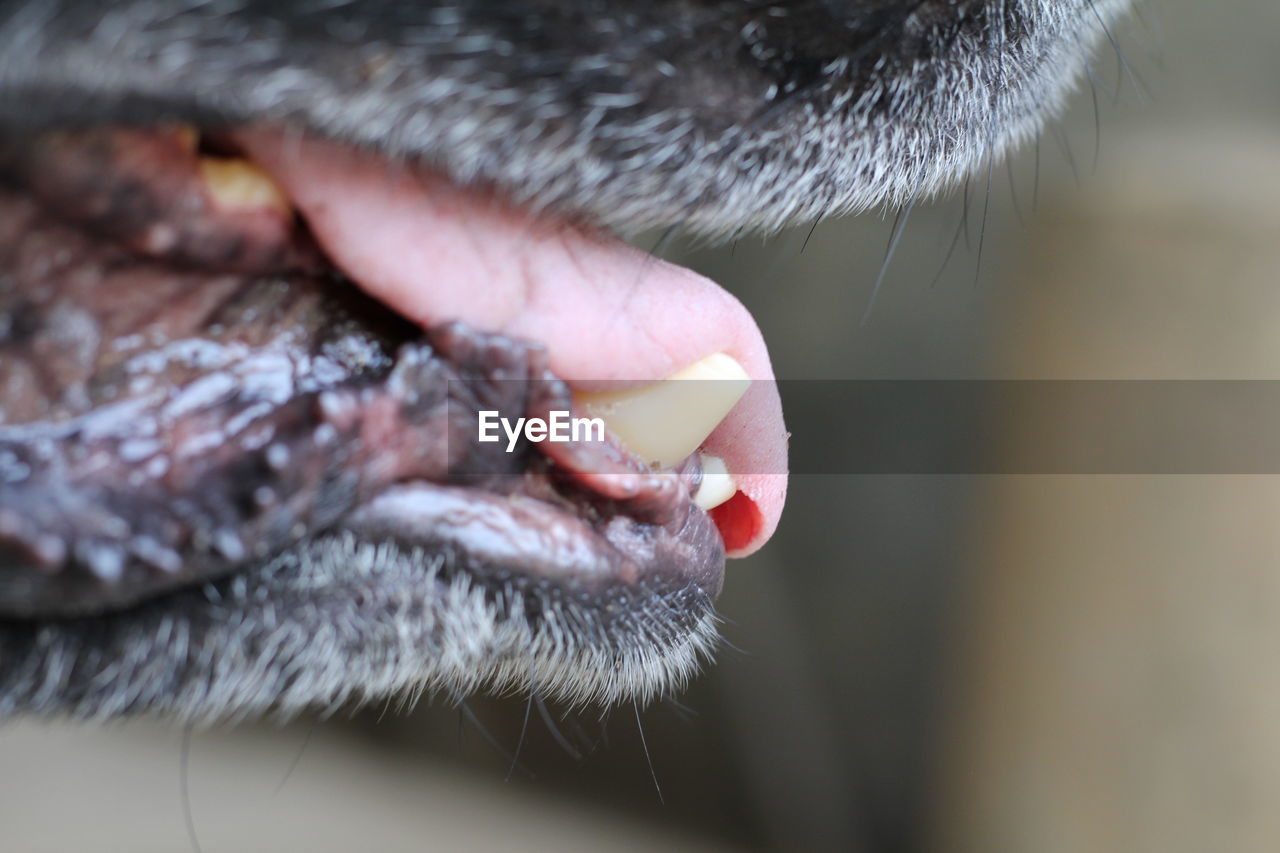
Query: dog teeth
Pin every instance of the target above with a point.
(237, 184)
(717, 483)
(664, 422)
(186, 135)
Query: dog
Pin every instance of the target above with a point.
(262, 261)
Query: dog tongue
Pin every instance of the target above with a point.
(605, 311)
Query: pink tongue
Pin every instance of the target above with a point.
(605, 310)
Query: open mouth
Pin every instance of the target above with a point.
(217, 348)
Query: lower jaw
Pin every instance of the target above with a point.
(369, 586)
(337, 623)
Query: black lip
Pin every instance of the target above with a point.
(275, 406)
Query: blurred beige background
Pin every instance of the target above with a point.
(917, 663)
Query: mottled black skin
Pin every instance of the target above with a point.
(148, 444)
(714, 115)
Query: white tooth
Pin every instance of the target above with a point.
(237, 184)
(717, 483)
(663, 423)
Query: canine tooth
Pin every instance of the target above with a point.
(664, 422)
(717, 483)
(239, 184)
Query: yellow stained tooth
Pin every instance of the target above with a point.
(187, 135)
(717, 483)
(237, 184)
(664, 422)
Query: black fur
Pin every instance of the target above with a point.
(717, 115)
